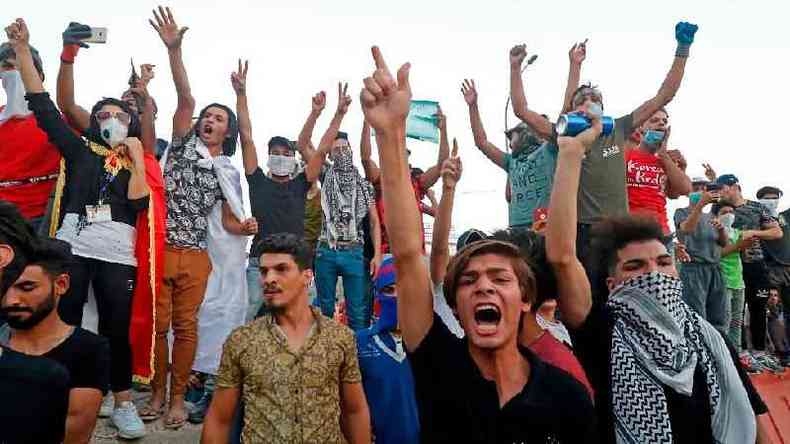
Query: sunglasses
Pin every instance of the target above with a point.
(122, 116)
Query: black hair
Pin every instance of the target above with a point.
(6, 51)
(17, 233)
(533, 249)
(94, 132)
(280, 141)
(716, 207)
(229, 143)
(341, 136)
(587, 85)
(612, 235)
(52, 255)
(286, 243)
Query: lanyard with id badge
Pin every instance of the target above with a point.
(96, 214)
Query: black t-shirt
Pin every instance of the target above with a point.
(690, 417)
(87, 357)
(777, 252)
(457, 405)
(34, 399)
(277, 206)
(86, 181)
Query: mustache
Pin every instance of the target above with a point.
(9, 310)
(271, 289)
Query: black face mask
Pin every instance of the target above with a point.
(36, 315)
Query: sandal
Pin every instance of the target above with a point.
(171, 423)
(148, 413)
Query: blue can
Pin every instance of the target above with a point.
(572, 124)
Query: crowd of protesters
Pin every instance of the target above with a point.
(589, 318)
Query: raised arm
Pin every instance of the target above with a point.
(147, 118)
(372, 171)
(305, 141)
(678, 183)
(575, 295)
(684, 34)
(172, 36)
(316, 162)
(576, 57)
(138, 187)
(494, 154)
(385, 103)
(375, 237)
(77, 116)
(47, 116)
(429, 178)
(690, 224)
(537, 122)
(440, 243)
(249, 154)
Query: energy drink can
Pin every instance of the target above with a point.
(572, 124)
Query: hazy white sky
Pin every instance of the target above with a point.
(730, 111)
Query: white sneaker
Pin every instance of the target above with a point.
(127, 421)
(107, 406)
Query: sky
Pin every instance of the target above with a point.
(730, 110)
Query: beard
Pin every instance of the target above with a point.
(37, 314)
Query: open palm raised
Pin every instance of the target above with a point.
(167, 28)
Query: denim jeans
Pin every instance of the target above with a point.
(736, 297)
(349, 263)
(254, 290)
(704, 291)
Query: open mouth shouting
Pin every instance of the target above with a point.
(487, 317)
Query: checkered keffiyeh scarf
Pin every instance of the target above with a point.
(658, 340)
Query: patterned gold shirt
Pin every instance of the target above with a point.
(290, 397)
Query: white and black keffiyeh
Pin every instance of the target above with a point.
(659, 340)
(344, 199)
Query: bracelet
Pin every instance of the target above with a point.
(683, 50)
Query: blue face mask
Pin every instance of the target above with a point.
(388, 318)
(695, 197)
(652, 139)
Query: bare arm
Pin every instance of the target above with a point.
(429, 178)
(763, 427)
(387, 113)
(249, 153)
(355, 416)
(684, 33)
(490, 150)
(372, 171)
(219, 419)
(316, 162)
(138, 187)
(172, 36)
(230, 222)
(440, 248)
(77, 116)
(375, 235)
(576, 55)
(678, 183)
(575, 295)
(743, 243)
(770, 231)
(147, 127)
(721, 234)
(83, 407)
(304, 142)
(518, 98)
(690, 224)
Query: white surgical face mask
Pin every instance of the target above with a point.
(281, 165)
(771, 204)
(727, 220)
(16, 105)
(113, 131)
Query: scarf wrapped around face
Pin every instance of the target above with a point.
(388, 318)
(659, 340)
(344, 199)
